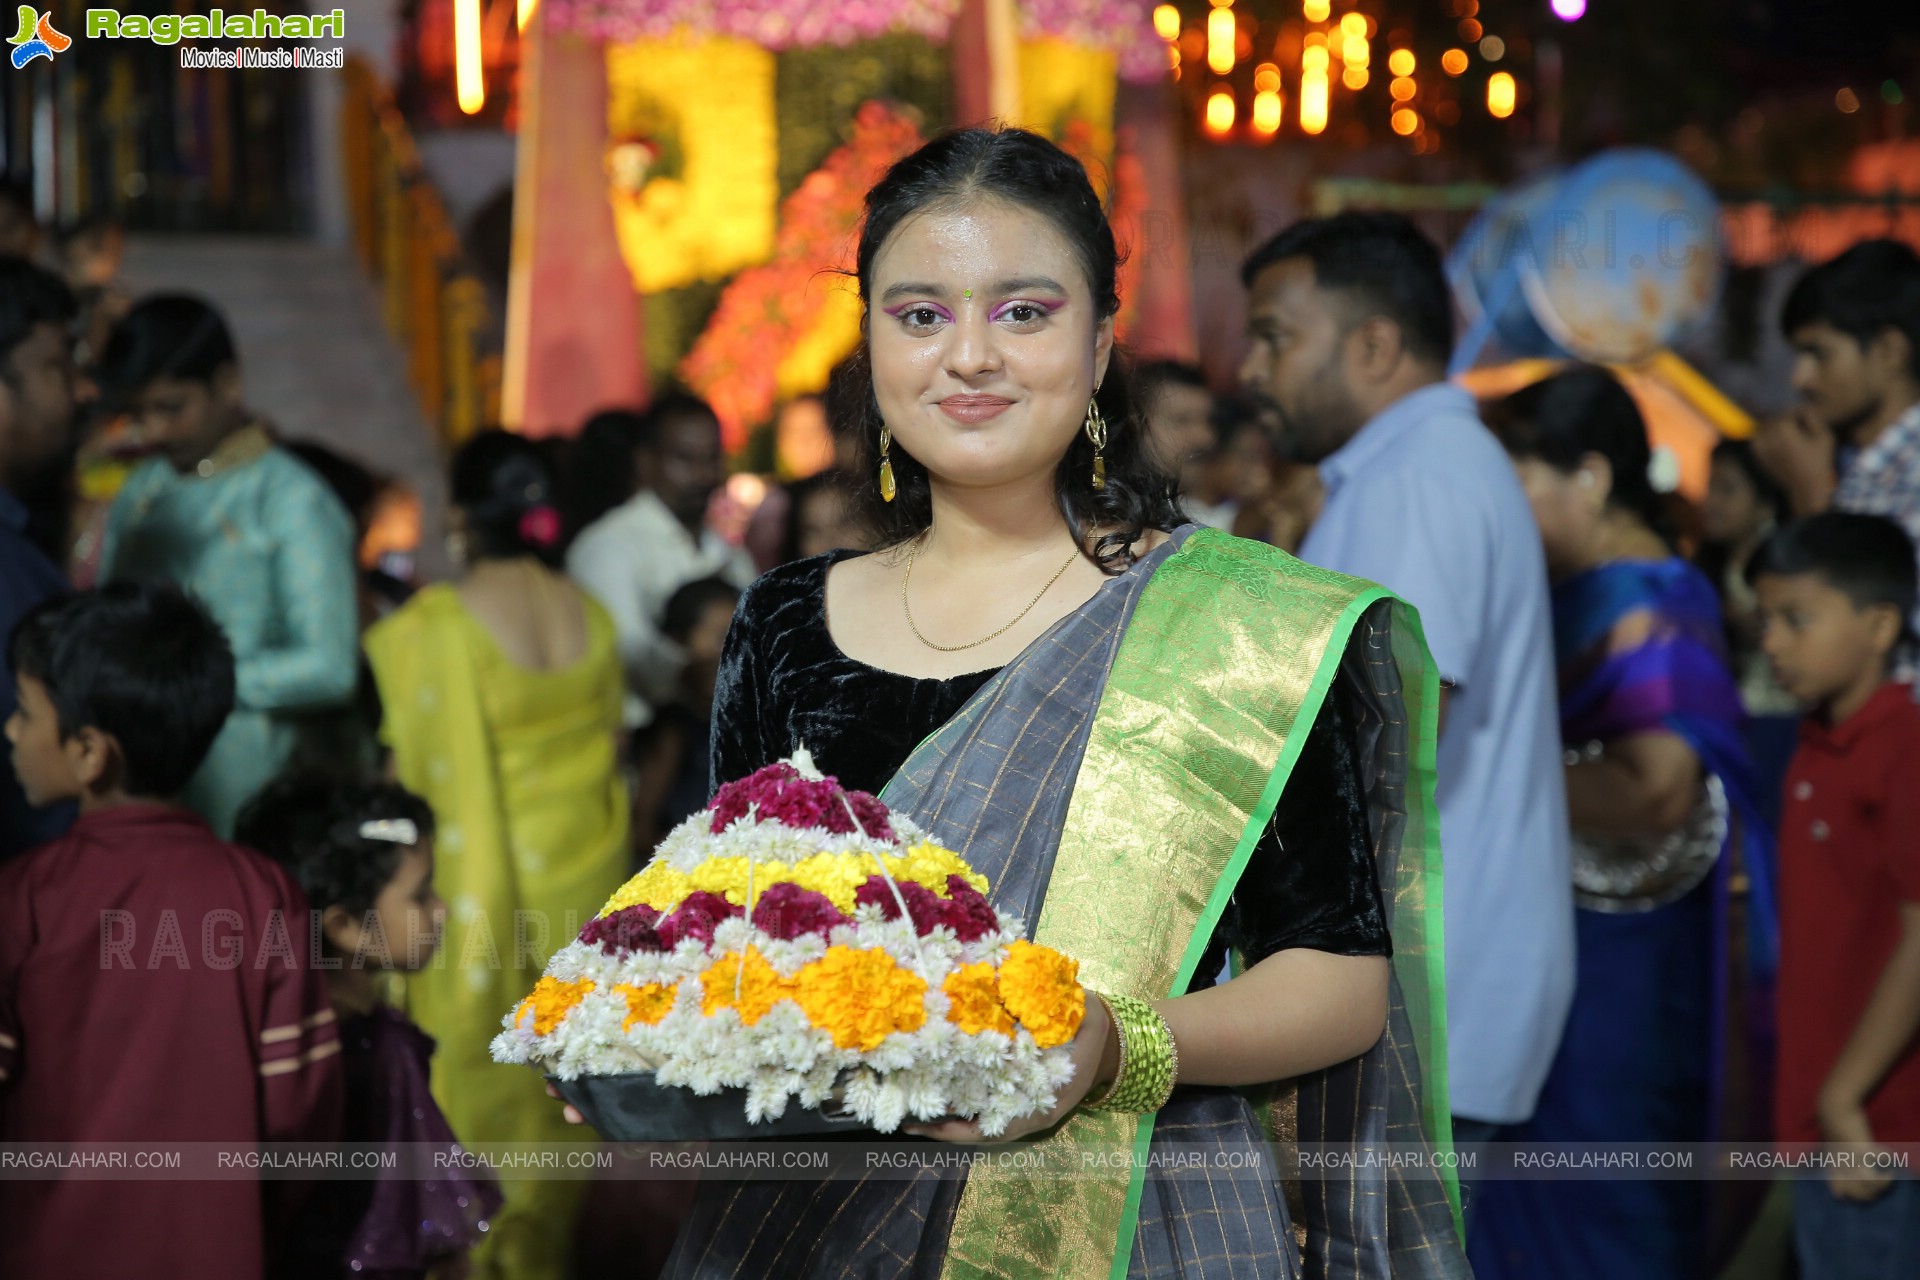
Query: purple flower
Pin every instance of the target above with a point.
(778, 793)
(967, 912)
(696, 917)
(787, 911)
(627, 930)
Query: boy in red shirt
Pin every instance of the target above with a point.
(154, 981)
(1835, 593)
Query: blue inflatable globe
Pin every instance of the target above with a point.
(1610, 260)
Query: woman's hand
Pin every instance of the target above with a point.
(573, 1116)
(1096, 1057)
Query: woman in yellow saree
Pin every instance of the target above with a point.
(1175, 744)
(501, 697)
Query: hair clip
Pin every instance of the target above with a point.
(391, 831)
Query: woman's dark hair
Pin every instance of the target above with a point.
(170, 335)
(310, 824)
(504, 484)
(599, 474)
(146, 665)
(1025, 170)
(1580, 410)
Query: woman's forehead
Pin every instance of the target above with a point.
(978, 243)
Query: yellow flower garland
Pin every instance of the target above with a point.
(836, 875)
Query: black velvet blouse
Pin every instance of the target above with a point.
(784, 683)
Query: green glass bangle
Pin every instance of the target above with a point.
(1149, 1059)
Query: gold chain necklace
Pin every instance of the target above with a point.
(913, 551)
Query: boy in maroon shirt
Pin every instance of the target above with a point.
(154, 981)
(1835, 593)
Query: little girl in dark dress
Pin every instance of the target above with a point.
(363, 854)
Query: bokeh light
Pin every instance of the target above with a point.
(1502, 93)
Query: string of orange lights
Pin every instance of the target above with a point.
(1317, 54)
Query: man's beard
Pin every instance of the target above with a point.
(1318, 431)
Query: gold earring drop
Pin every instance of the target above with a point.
(1097, 433)
(887, 488)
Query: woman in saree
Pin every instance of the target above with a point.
(501, 696)
(1158, 743)
(1661, 800)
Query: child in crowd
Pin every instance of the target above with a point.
(1835, 594)
(671, 753)
(154, 981)
(230, 515)
(363, 853)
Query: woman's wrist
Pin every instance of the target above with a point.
(1148, 1059)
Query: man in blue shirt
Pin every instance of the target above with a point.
(36, 444)
(1351, 326)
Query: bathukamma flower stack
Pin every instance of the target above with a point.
(799, 942)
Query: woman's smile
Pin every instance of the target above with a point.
(972, 407)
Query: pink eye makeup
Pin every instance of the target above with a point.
(909, 308)
(1008, 310)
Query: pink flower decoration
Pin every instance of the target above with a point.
(778, 793)
(967, 911)
(695, 917)
(787, 911)
(625, 931)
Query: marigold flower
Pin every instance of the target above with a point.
(860, 997)
(646, 1004)
(975, 998)
(550, 1002)
(760, 986)
(1041, 988)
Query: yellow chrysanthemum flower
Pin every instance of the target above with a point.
(860, 997)
(1041, 988)
(551, 1001)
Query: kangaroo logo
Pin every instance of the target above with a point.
(37, 38)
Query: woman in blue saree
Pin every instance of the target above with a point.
(1667, 841)
(1158, 743)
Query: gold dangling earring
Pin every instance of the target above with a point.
(1097, 433)
(887, 488)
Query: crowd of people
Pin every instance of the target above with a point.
(1671, 771)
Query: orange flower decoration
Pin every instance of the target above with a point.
(861, 997)
(975, 998)
(551, 1001)
(761, 986)
(1042, 988)
(646, 1004)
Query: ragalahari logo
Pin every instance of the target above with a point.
(37, 38)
